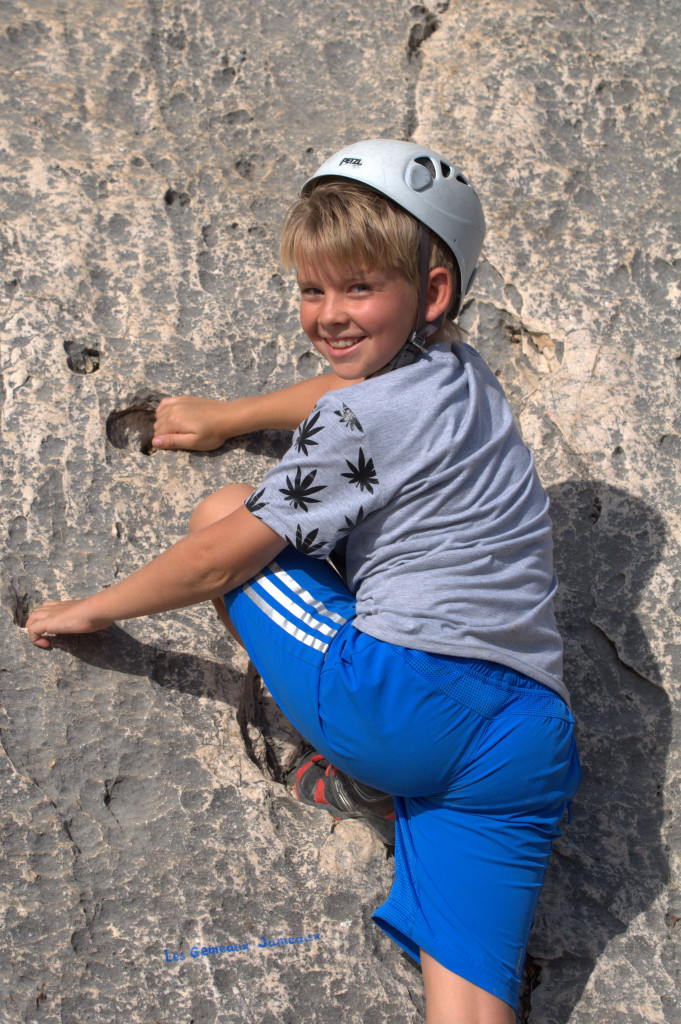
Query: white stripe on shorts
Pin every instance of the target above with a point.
(271, 613)
(294, 609)
(306, 596)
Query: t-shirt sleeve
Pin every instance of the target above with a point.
(326, 484)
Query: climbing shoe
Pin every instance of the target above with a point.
(320, 784)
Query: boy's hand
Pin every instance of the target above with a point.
(201, 424)
(198, 424)
(57, 617)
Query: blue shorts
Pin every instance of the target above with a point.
(481, 761)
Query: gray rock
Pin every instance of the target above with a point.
(148, 153)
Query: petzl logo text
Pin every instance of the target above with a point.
(350, 160)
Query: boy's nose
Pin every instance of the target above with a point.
(332, 311)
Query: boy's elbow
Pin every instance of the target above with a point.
(210, 575)
(220, 564)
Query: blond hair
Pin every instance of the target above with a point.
(349, 225)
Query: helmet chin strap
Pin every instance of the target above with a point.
(415, 345)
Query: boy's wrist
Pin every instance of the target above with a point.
(102, 608)
(244, 415)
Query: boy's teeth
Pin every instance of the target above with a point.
(342, 342)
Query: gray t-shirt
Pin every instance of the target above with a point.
(421, 477)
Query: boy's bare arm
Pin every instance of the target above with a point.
(205, 564)
(202, 424)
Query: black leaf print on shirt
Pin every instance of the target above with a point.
(348, 417)
(363, 475)
(300, 492)
(254, 504)
(306, 431)
(349, 525)
(306, 545)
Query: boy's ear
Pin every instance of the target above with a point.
(439, 293)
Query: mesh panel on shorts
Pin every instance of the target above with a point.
(485, 687)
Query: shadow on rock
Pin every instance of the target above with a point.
(118, 651)
(610, 865)
(270, 740)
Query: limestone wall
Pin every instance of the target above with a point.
(147, 153)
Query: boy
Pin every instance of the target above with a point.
(432, 671)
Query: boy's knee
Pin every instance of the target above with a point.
(218, 505)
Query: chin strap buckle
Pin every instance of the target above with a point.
(417, 340)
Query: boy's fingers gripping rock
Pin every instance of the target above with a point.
(55, 618)
(168, 430)
(172, 441)
(190, 423)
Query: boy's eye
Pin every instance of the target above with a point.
(361, 286)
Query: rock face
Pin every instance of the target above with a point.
(148, 153)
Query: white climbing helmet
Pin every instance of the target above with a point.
(426, 185)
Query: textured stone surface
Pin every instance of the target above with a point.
(147, 153)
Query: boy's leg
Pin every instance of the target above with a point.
(451, 999)
(353, 801)
(285, 622)
(218, 505)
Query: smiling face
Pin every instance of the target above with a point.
(358, 320)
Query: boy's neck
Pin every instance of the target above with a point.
(411, 351)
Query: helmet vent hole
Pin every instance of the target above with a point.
(464, 181)
(446, 169)
(426, 162)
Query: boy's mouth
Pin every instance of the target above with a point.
(339, 343)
